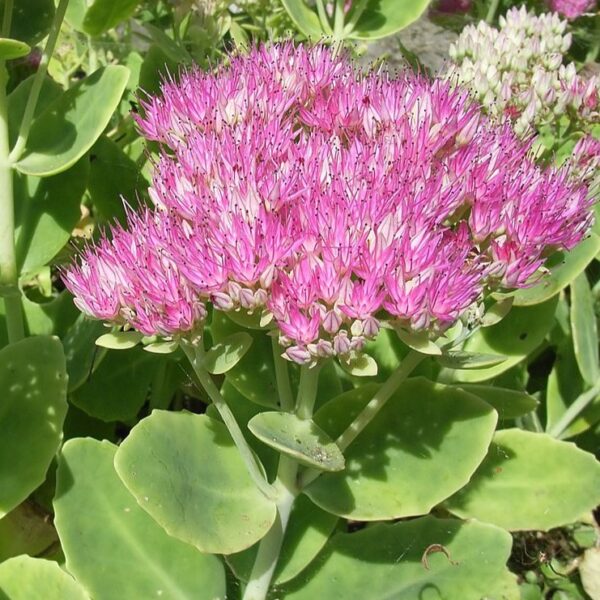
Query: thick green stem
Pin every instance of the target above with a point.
(9, 277)
(284, 389)
(383, 394)
(194, 352)
(338, 20)
(574, 411)
(38, 81)
(7, 18)
(323, 17)
(286, 485)
(491, 14)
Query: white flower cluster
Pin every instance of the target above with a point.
(517, 71)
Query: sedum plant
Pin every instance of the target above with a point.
(318, 235)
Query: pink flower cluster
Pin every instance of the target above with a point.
(571, 9)
(293, 186)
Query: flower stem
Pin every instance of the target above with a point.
(38, 81)
(194, 353)
(9, 280)
(284, 389)
(286, 484)
(338, 20)
(573, 412)
(323, 17)
(491, 13)
(383, 394)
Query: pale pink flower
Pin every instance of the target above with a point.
(571, 9)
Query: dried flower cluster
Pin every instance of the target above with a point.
(293, 186)
(517, 71)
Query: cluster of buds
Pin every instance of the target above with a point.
(517, 71)
(325, 200)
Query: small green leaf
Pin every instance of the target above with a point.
(359, 365)
(70, 125)
(120, 340)
(113, 530)
(173, 51)
(227, 353)
(413, 560)
(508, 403)
(161, 347)
(497, 311)
(254, 375)
(421, 447)
(515, 337)
(10, 49)
(33, 386)
(103, 15)
(584, 329)
(459, 359)
(156, 66)
(301, 439)
(307, 532)
(564, 268)
(305, 19)
(75, 14)
(25, 578)
(382, 18)
(185, 471)
(418, 341)
(530, 481)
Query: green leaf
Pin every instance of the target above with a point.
(418, 341)
(156, 66)
(13, 49)
(359, 365)
(301, 439)
(25, 530)
(516, 336)
(227, 353)
(584, 329)
(120, 340)
(46, 212)
(564, 268)
(385, 17)
(497, 311)
(103, 15)
(17, 101)
(81, 351)
(508, 403)
(75, 14)
(173, 51)
(307, 532)
(117, 389)
(33, 386)
(305, 19)
(185, 471)
(419, 449)
(254, 375)
(589, 570)
(113, 176)
(406, 561)
(530, 481)
(31, 20)
(70, 125)
(113, 530)
(25, 578)
(161, 347)
(459, 359)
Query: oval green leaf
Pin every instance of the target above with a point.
(305, 19)
(185, 471)
(385, 17)
(564, 268)
(419, 449)
(33, 389)
(584, 329)
(120, 340)
(25, 578)
(10, 49)
(516, 336)
(415, 560)
(359, 365)
(31, 19)
(530, 481)
(103, 15)
(509, 404)
(227, 353)
(307, 532)
(301, 439)
(70, 125)
(418, 341)
(145, 562)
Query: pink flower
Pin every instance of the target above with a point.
(571, 9)
(291, 184)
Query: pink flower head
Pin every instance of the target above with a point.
(571, 9)
(293, 185)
